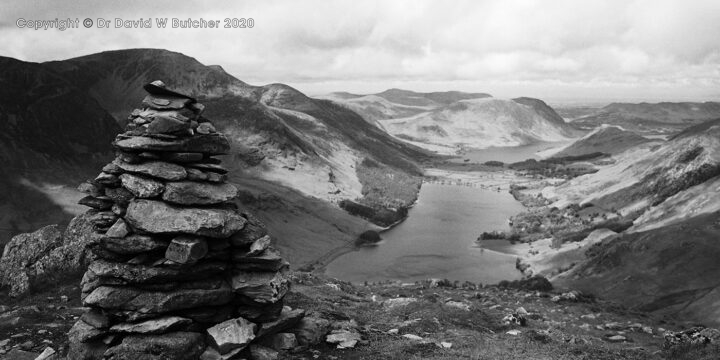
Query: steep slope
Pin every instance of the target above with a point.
(646, 175)
(646, 118)
(481, 123)
(605, 139)
(54, 135)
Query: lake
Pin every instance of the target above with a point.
(511, 154)
(437, 240)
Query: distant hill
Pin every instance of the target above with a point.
(605, 139)
(646, 118)
(448, 121)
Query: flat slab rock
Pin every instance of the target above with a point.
(157, 169)
(141, 274)
(261, 287)
(232, 334)
(125, 298)
(206, 144)
(197, 193)
(160, 218)
(153, 326)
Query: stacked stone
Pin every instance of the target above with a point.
(180, 271)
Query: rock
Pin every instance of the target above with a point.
(47, 354)
(393, 331)
(211, 353)
(133, 244)
(154, 326)
(175, 345)
(616, 338)
(86, 351)
(142, 187)
(181, 157)
(209, 168)
(209, 314)
(206, 144)
(458, 305)
(96, 203)
(311, 330)
(282, 341)
(513, 332)
(160, 218)
(157, 169)
(91, 188)
(232, 334)
(445, 345)
(24, 250)
(186, 249)
(252, 231)
(343, 338)
(120, 196)
(288, 318)
(259, 246)
(155, 302)
(108, 179)
(96, 319)
(696, 336)
(111, 168)
(259, 352)
(412, 337)
(647, 330)
(194, 193)
(206, 128)
(84, 332)
(140, 274)
(260, 287)
(118, 230)
(259, 313)
(268, 260)
(514, 319)
(165, 124)
(396, 302)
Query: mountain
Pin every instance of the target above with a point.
(306, 154)
(54, 134)
(481, 123)
(666, 262)
(646, 118)
(605, 139)
(395, 103)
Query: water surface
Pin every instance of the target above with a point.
(437, 240)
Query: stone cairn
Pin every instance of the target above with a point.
(180, 272)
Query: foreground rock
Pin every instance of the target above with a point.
(180, 272)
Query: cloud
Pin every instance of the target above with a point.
(666, 48)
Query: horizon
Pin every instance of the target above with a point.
(596, 52)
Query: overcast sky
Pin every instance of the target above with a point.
(556, 50)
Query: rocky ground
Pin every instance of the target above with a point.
(431, 320)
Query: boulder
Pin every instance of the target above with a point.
(84, 332)
(197, 193)
(156, 169)
(343, 338)
(21, 252)
(153, 326)
(160, 218)
(206, 144)
(232, 334)
(118, 230)
(174, 345)
(259, 245)
(142, 187)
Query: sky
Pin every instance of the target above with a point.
(557, 50)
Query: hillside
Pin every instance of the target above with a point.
(605, 139)
(481, 123)
(54, 134)
(646, 118)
